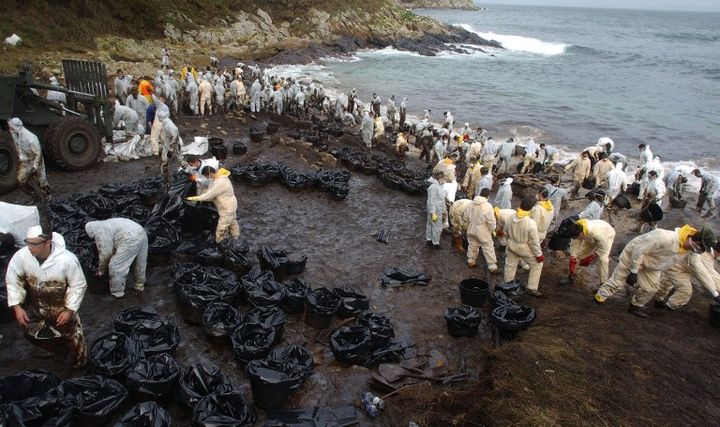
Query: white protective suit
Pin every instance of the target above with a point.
(646, 156)
(602, 143)
(600, 172)
(222, 194)
(592, 211)
(616, 182)
(700, 267)
(543, 213)
(530, 156)
(54, 95)
(507, 149)
(472, 178)
(193, 91)
(255, 92)
(485, 182)
(457, 216)
(278, 102)
(206, 95)
(29, 153)
(121, 243)
(139, 104)
(481, 224)
(595, 241)
(439, 149)
(656, 190)
(46, 290)
(647, 255)
(16, 219)
(366, 129)
(219, 90)
(436, 211)
(523, 243)
(556, 196)
(581, 170)
(488, 153)
(503, 198)
(126, 115)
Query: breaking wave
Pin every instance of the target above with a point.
(520, 43)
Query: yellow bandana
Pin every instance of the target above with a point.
(584, 224)
(684, 232)
(547, 204)
(521, 213)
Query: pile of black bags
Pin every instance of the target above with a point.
(258, 173)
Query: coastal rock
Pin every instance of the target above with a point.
(440, 4)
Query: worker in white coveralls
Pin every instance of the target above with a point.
(480, 218)
(523, 243)
(222, 195)
(45, 287)
(121, 244)
(591, 241)
(647, 256)
(700, 267)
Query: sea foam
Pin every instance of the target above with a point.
(520, 43)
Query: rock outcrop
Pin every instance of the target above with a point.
(257, 36)
(440, 4)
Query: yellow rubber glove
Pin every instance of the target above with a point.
(434, 217)
(193, 198)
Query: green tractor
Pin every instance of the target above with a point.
(71, 135)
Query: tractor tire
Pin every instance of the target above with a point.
(74, 144)
(8, 164)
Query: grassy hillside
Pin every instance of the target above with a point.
(74, 23)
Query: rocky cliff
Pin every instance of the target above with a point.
(282, 31)
(440, 4)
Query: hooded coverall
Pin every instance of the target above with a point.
(581, 170)
(480, 219)
(701, 267)
(121, 243)
(487, 155)
(436, 211)
(457, 216)
(46, 290)
(556, 195)
(206, 95)
(169, 145)
(647, 255)
(222, 195)
(472, 178)
(616, 182)
(600, 172)
(530, 156)
(366, 129)
(503, 198)
(595, 242)
(192, 90)
(31, 159)
(593, 210)
(523, 243)
(507, 149)
(542, 213)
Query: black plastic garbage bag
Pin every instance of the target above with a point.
(334, 182)
(198, 218)
(272, 317)
(252, 341)
(146, 414)
(298, 357)
(200, 380)
(97, 206)
(220, 320)
(511, 319)
(111, 355)
(239, 148)
(260, 173)
(223, 409)
(272, 381)
(514, 291)
(351, 344)
(393, 351)
(295, 290)
(210, 256)
(381, 328)
(94, 397)
(314, 417)
(156, 336)
(398, 276)
(234, 258)
(295, 180)
(321, 304)
(126, 319)
(196, 297)
(271, 259)
(353, 301)
(154, 377)
(266, 293)
(171, 204)
(46, 410)
(163, 236)
(256, 135)
(150, 189)
(26, 384)
(137, 213)
(499, 299)
(462, 321)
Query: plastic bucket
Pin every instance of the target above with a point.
(474, 292)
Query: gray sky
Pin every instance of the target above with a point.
(687, 5)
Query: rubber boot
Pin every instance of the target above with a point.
(638, 311)
(458, 243)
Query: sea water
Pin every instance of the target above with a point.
(566, 76)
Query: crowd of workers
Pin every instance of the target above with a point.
(45, 281)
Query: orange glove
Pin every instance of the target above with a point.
(193, 178)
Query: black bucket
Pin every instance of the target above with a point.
(514, 291)
(652, 213)
(256, 135)
(322, 304)
(474, 292)
(462, 321)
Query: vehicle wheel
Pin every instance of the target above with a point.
(74, 144)
(8, 164)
